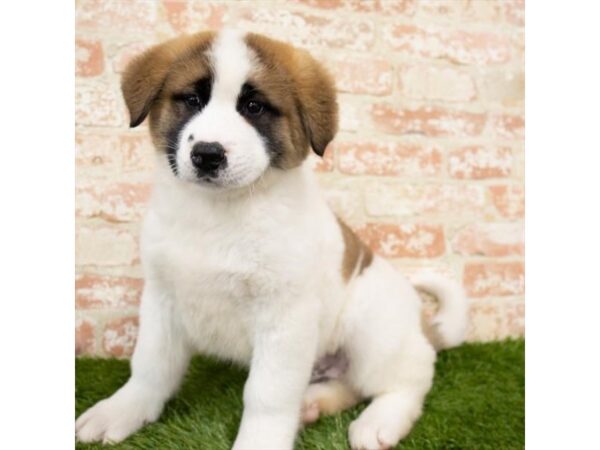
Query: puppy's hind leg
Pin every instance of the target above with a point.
(398, 387)
(390, 359)
(326, 398)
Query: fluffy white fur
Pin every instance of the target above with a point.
(253, 274)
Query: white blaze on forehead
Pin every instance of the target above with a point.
(219, 121)
(232, 63)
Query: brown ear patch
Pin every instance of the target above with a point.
(357, 256)
(305, 89)
(316, 92)
(145, 75)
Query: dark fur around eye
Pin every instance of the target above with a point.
(265, 118)
(198, 97)
(253, 104)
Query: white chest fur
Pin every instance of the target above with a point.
(223, 257)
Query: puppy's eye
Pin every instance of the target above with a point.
(254, 108)
(192, 101)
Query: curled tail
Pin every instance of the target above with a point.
(448, 327)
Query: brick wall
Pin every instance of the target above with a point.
(428, 166)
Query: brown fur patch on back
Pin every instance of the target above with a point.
(303, 91)
(356, 253)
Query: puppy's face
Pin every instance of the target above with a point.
(225, 108)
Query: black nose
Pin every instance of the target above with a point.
(208, 157)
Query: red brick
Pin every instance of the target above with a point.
(408, 240)
(310, 30)
(177, 13)
(485, 279)
(468, 11)
(116, 202)
(460, 47)
(490, 239)
(119, 336)
(369, 158)
(490, 10)
(116, 15)
(85, 337)
(430, 121)
(191, 16)
(99, 104)
(114, 151)
(99, 291)
(324, 4)
(416, 199)
(89, 58)
(509, 200)
(359, 75)
(508, 126)
(515, 11)
(447, 9)
(478, 162)
(498, 11)
(105, 246)
(426, 82)
(404, 7)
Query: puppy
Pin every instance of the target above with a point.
(244, 260)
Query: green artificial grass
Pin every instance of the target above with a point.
(477, 402)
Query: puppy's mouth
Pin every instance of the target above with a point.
(221, 180)
(208, 177)
(209, 181)
(224, 175)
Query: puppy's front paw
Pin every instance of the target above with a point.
(115, 418)
(372, 435)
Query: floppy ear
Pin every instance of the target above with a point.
(143, 79)
(318, 105)
(145, 76)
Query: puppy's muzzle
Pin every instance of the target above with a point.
(208, 158)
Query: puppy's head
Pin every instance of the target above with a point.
(225, 108)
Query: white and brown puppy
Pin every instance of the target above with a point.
(244, 260)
